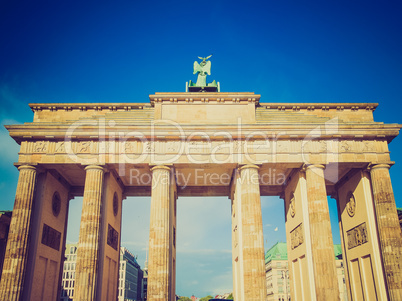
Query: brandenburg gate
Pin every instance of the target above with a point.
(205, 144)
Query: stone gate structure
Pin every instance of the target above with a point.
(205, 144)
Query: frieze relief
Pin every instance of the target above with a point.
(292, 205)
(357, 236)
(148, 146)
(51, 237)
(365, 146)
(346, 146)
(40, 146)
(238, 146)
(351, 204)
(200, 146)
(81, 147)
(257, 146)
(112, 237)
(368, 146)
(84, 146)
(131, 147)
(296, 236)
(172, 146)
(60, 147)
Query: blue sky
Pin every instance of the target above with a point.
(122, 51)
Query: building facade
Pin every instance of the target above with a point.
(5, 218)
(130, 276)
(145, 279)
(303, 152)
(68, 278)
(277, 273)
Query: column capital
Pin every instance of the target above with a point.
(310, 165)
(27, 166)
(373, 166)
(95, 166)
(247, 166)
(165, 167)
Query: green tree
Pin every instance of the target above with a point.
(230, 296)
(206, 298)
(184, 299)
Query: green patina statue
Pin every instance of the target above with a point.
(203, 69)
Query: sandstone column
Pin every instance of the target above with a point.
(326, 283)
(159, 268)
(388, 228)
(252, 235)
(88, 243)
(14, 268)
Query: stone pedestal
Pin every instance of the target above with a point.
(14, 268)
(253, 258)
(388, 228)
(161, 242)
(326, 284)
(88, 244)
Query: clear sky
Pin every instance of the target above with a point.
(122, 51)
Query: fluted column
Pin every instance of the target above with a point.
(88, 243)
(326, 283)
(14, 268)
(159, 243)
(252, 235)
(388, 228)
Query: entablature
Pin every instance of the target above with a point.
(94, 130)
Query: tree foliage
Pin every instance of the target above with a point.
(184, 299)
(230, 296)
(206, 298)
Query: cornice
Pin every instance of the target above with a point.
(373, 131)
(87, 106)
(204, 97)
(319, 106)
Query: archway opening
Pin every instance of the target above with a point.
(204, 246)
(276, 260)
(70, 249)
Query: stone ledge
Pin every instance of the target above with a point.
(192, 97)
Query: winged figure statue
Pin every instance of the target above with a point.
(203, 69)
